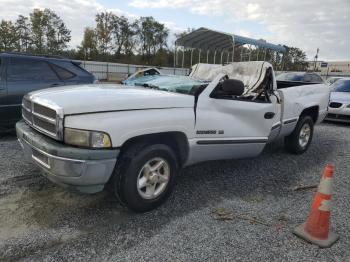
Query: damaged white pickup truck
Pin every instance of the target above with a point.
(135, 137)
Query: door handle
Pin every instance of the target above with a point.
(269, 115)
(56, 84)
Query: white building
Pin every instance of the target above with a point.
(331, 68)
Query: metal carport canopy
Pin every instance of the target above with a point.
(207, 39)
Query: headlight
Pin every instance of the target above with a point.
(86, 138)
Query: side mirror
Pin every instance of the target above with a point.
(232, 87)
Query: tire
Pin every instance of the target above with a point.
(131, 173)
(300, 139)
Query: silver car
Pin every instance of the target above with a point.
(333, 79)
(339, 106)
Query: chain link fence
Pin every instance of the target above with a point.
(116, 71)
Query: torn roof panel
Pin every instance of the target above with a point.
(204, 38)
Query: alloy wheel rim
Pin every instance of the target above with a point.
(304, 135)
(153, 178)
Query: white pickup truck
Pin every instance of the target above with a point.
(135, 137)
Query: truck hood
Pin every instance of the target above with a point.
(342, 97)
(106, 97)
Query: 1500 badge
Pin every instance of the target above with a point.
(210, 132)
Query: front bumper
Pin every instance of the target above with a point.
(86, 170)
(341, 114)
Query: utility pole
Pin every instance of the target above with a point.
(316, 56)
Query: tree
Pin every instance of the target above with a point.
(8, 36)
(294, 59)
(48, 32)
(23, 33)
(104, 31)
(89, 44)
(123, 34)
(152, 36)
(38, 27)
(57, 34)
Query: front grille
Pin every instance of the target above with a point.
(44, 111)
(335, 104)
(40, 117)
(42, 124)
(27, 115)
(27, 104)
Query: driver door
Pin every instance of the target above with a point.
(231, 128)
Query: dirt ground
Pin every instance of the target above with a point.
(238, 210)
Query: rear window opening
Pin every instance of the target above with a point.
(62, 73)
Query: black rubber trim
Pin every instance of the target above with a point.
(123, 110)
(230, 142)
(275, 127)
(290, 121)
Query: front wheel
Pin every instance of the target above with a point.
(300, 139)
(144, 176)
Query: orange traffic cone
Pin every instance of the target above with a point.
(316, 228)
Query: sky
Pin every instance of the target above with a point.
(307, 24)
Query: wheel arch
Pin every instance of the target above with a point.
(176, 140)
(312, 111)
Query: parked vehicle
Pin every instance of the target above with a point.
(339, 106)
(299, 77)
(136, 138)
(23, 73)
(333, 79)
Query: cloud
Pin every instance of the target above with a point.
(77, 14)
(308, 24)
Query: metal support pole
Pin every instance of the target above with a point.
(199, 56)
(241, 53)
(265, 54)
(250, 52)
(257, 54)
(183, 57)
(222, 53)
(214, 56)
(191, 55)
(233, 52)
(228, 56)
(175, 57)
(208, 56)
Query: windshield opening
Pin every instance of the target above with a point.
(170, 83)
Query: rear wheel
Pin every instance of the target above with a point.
(144, 176)
(299, 140)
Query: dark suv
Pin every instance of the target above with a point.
(23, 73)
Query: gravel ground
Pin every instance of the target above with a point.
(41, 221)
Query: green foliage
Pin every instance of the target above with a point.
(8, 36)
(48, 32)
(42, 32)
(152, 36)
(104, 31)
(119, 39)
(23, 29)
(295, 60)
(88, 48)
